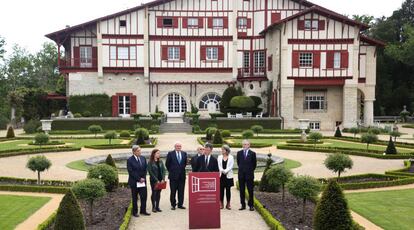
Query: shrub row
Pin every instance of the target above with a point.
(47, 224)
(109, 124)
(25, 181)
(408, 126)
(357, 152)
(15, 152)
(126, 219)
(240, 124)
(202, 141)
(401, 172)
(119, 146)
(269, 137)
(32, 188)
(266, 131)
(300, 142)
(380, 142)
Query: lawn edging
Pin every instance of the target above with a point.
(127, 218)
(33, 188)
(201, 141)
(48, 222)
(15, 152)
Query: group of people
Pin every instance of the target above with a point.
(176, 163)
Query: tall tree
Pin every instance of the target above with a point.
(2, 51)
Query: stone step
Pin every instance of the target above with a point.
(175, 128)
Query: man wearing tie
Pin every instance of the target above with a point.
(200, 152)
(206, 162)
(175, 163)
(137, 172)
(246, 160)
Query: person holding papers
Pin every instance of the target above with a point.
(137, 172)
(156, 171)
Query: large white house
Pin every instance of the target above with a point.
(310, 62)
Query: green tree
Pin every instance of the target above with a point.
(95, 129)
(41, 139)
(228, 94)
(246, 134)
(210, 132)
(279, 175)
(69, 214)
(338, 163)
(264, 183)
(338, 132)
(257, 129)
(2, 50)
(242, 102)
(89, 190)
(38, 164)
(106, 173)
(218, 139)
(315, 137)
(354, 130)
(10, 132)
(110, 135)
(395, 134)
(332, 211)
(369, 138)
(110, 161)
(391, 147)
(305, 188)
(141, 134)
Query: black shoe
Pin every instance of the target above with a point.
(251, 208)
(136, 215)
(154, 210)
(145, 213)
(242, 208)
(158, 210)
(181, 207)
(172, 208)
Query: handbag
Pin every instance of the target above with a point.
(160, 185)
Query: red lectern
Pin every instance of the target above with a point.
(204, 196)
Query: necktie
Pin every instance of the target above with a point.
(206, 161)
(139, 161)
(179, 157)
(245, 154)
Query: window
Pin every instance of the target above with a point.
(167, 22)
(311, 24)
(217, 22)
(315, 125)
(306, 59)
(242, 23)
(337, 60)
(192, 22)
(122, 23)
(85, 56)
(173, 53)
(212, 53)
(210, 98)
(124, 105)
(123, 53)
(259, 62)
(315, 101)
(246, 62)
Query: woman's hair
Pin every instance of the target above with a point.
(152, 157)
(226, 148)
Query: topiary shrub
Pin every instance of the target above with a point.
(77, 115)
(210, 132)
(141, 134)
(338, 162)
(315, 137)
(87, 113)
(196, 128)
(354, 130)
(264, 183)
(110, 135)
(257, 129)
(247, 134)
(105, 173)
(257, 101)
(375, 131)
(41, 139)
(226, 133)
(124, 134)
(369, 138)
(338, 132)
(32, 126)
(218, 139)
(110, 161)
(228, 94)
(95, 129)
(155, 128)
(89, 190)
(278, 176)
(69, 214)
(332, 210)
(10, 132)
(242, 102)
(391, 148)
(395, 134)
(38, 164)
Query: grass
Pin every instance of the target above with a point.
(291, 164)
(388, 209)
(16, 209)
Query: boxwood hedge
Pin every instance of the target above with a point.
(226, 123)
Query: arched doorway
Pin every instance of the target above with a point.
(176, 105)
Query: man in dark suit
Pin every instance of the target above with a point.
(175, 163)
(246, 161)
(200, 152)
(137, 171)
(207, 163)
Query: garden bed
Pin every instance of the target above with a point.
(370, 180)
(48, 144)
(203, 141)
(15, 152)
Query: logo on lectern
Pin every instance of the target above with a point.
(203, 184)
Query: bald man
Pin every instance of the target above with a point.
(176, 162)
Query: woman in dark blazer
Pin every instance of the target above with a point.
(156, 170)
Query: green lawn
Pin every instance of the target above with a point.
(387, 209)
(291, 164)
(17, 144)
(16, 209)
(259, 141)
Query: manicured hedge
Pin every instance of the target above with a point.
(401, 172)
(15, 152)
(48, 222)
(106, 124)
(127, 218)
(408, 126)
(379, 142)
(377, 184)
(120, 146)
(241, 123)
(202, 141)
(32, 188)
(25, 181)
(268, 137)
(91, 105)
(300, 142)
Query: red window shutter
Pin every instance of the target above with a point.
(344, 59)
(202, 53)
(200, 22)
(94, 56)
(221, 52)
(316, 59)
(242, 34)
(133, 104)
(175, 22)
(76, 56)
(159, 22)
(182, 52)
(270, 63)
(249, 23)
(330, 59)
(225, 22)
(321, 25)
(164, 52)
(301, 25)
(114, 106)
(185, 22)
(275, 17)
(210, 22)
(295, 59)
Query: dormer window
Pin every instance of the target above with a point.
(122, 23)
(311, 24)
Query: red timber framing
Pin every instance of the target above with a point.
(192, 84)
(325, 81)
(115, 103)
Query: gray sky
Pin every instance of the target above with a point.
(25, 22)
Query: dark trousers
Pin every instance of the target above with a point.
(155, 196)
(177, 186)
(243, 181)
(228, 194)
(142, 196)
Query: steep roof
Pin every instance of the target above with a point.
(372, 41)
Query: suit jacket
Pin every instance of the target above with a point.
(194, 162)
(248, 164)
(136, 171)
(153, 171)
(176, 170)
(228, 172)
(211, 167)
